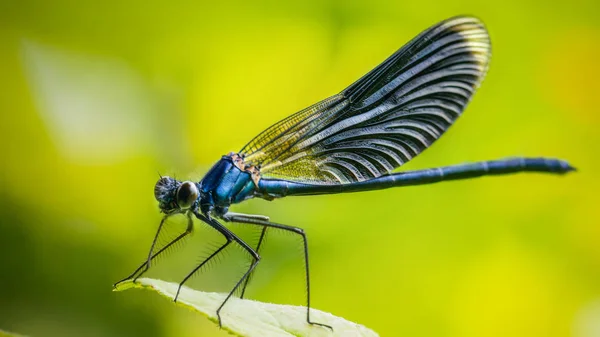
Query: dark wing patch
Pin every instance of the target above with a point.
(385, 118)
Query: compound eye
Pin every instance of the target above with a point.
(187, 194)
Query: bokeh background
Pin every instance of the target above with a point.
(96, 97)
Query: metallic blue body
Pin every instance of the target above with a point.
(282, 188)
(227, 184)
(223, 185)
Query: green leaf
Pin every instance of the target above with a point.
(250, 318)
(9, 334)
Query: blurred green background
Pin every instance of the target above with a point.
(96, 97)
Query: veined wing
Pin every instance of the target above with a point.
(384, 119)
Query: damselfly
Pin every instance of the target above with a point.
(349, 142)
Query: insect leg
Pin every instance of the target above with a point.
(296, 230)
(146, 264)
(260, 241)
(231, 215)
(230, 236)
(200, 266)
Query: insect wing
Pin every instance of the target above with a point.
(384, 119)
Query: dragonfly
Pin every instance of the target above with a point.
(349, 142)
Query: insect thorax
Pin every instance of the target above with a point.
(228, 182)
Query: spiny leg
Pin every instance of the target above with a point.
(200, 266)
(228, 216)
(245, 276)
(146, 264)
(231, 236)
(260, 241)
(296, 230)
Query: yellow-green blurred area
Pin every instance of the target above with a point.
(97, 97)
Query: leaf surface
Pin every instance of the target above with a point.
(249, 318)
